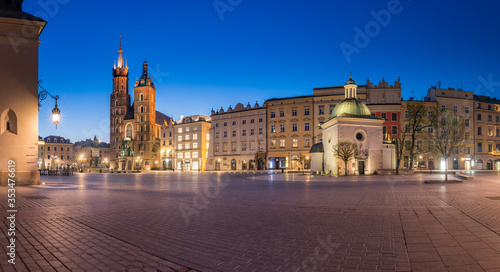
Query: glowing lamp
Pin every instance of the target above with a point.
(56, 115)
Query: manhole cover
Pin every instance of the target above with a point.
(493, 197)
(36, 197)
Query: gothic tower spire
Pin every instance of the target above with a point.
(121, 63)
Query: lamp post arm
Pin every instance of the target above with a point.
(43, 94)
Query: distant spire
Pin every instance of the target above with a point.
(120, 55)
(145, 67)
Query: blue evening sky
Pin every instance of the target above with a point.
(202, 57)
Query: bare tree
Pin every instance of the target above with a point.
(399, 142)
(345, 150)
(416, 112)
(448, 136)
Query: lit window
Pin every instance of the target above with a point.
(195, 136)
(295, 142)
(195, 155)
(187, 155)
(282, 143)
(195, 145)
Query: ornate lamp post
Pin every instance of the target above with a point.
(42, 95)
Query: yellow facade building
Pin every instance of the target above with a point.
(191, 143)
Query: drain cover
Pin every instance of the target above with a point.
(493, 197)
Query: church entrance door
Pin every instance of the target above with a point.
(361, 167)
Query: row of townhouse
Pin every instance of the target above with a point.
(58, 152)
(280, 132)
(481, 116)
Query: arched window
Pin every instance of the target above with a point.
(128, 131)
(116, 103)
(9, 121)
(142, 109)
(142, 97)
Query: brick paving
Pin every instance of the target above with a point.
(254, 222)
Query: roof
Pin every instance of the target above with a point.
(335, 87)
(287, 98)
(161, 118)
(56, 139)
(486, 99)
(351, 107)
(130, 113)
(317, 148)
(15, 14)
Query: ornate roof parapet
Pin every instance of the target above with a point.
(383, 84)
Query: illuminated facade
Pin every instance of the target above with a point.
(135, 125)
(191, 142)
(351, 120)
(55, 151)
(19, 43)
(239, 138)
(487, 132)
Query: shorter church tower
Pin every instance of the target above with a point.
(145, 115)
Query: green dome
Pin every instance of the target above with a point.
(350, 81)
(350, 107)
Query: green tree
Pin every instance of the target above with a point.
(346, 150)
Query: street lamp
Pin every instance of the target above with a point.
(42, 95)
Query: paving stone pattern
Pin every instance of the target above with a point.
(254, 222)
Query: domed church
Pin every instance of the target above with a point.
(352, 121)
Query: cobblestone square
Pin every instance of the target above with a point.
(258, 221)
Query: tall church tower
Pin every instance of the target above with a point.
(145, 115)
(120, 103)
